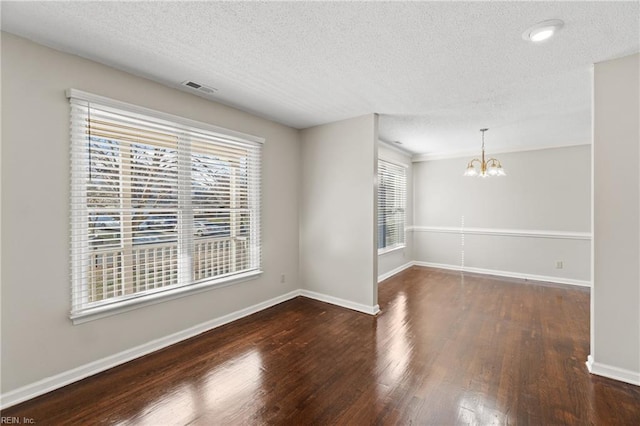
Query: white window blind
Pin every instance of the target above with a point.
(157, 205)
(392, 201)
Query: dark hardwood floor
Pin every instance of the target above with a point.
(446, 349)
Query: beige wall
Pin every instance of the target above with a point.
(38, 339)
(338, 255)
(547, 191)
(615, 311)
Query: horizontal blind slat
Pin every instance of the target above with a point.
(151, 199)
(391, 204)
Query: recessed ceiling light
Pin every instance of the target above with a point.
(542, 30)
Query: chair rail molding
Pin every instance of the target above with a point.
(530, 233)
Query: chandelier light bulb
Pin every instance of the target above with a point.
(471, 171)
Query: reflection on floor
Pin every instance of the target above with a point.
(447, 348)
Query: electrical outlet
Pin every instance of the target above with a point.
(559, 264)
(282, 278)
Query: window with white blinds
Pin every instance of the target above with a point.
(160, 205)
(392, 203)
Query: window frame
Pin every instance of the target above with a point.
(79, 312)
(403, 243)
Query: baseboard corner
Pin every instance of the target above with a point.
(612, 372)
(354, 306)
(394, 271)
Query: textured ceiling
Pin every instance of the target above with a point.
(436, 72)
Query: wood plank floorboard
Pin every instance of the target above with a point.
(447, 349)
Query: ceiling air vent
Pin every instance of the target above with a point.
(200, 87)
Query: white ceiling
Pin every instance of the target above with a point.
(436, 72)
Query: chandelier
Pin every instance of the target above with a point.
(490, 167)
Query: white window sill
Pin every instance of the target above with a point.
(391, 249)
(155, 298)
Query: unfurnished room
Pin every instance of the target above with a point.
(292, 213)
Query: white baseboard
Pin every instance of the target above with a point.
(394, 271)
(437, 265)
(49, 384)
(509, 274)
(611, 372)
(371, 310)
(59, 380)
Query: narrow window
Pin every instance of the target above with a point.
(392, 201)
